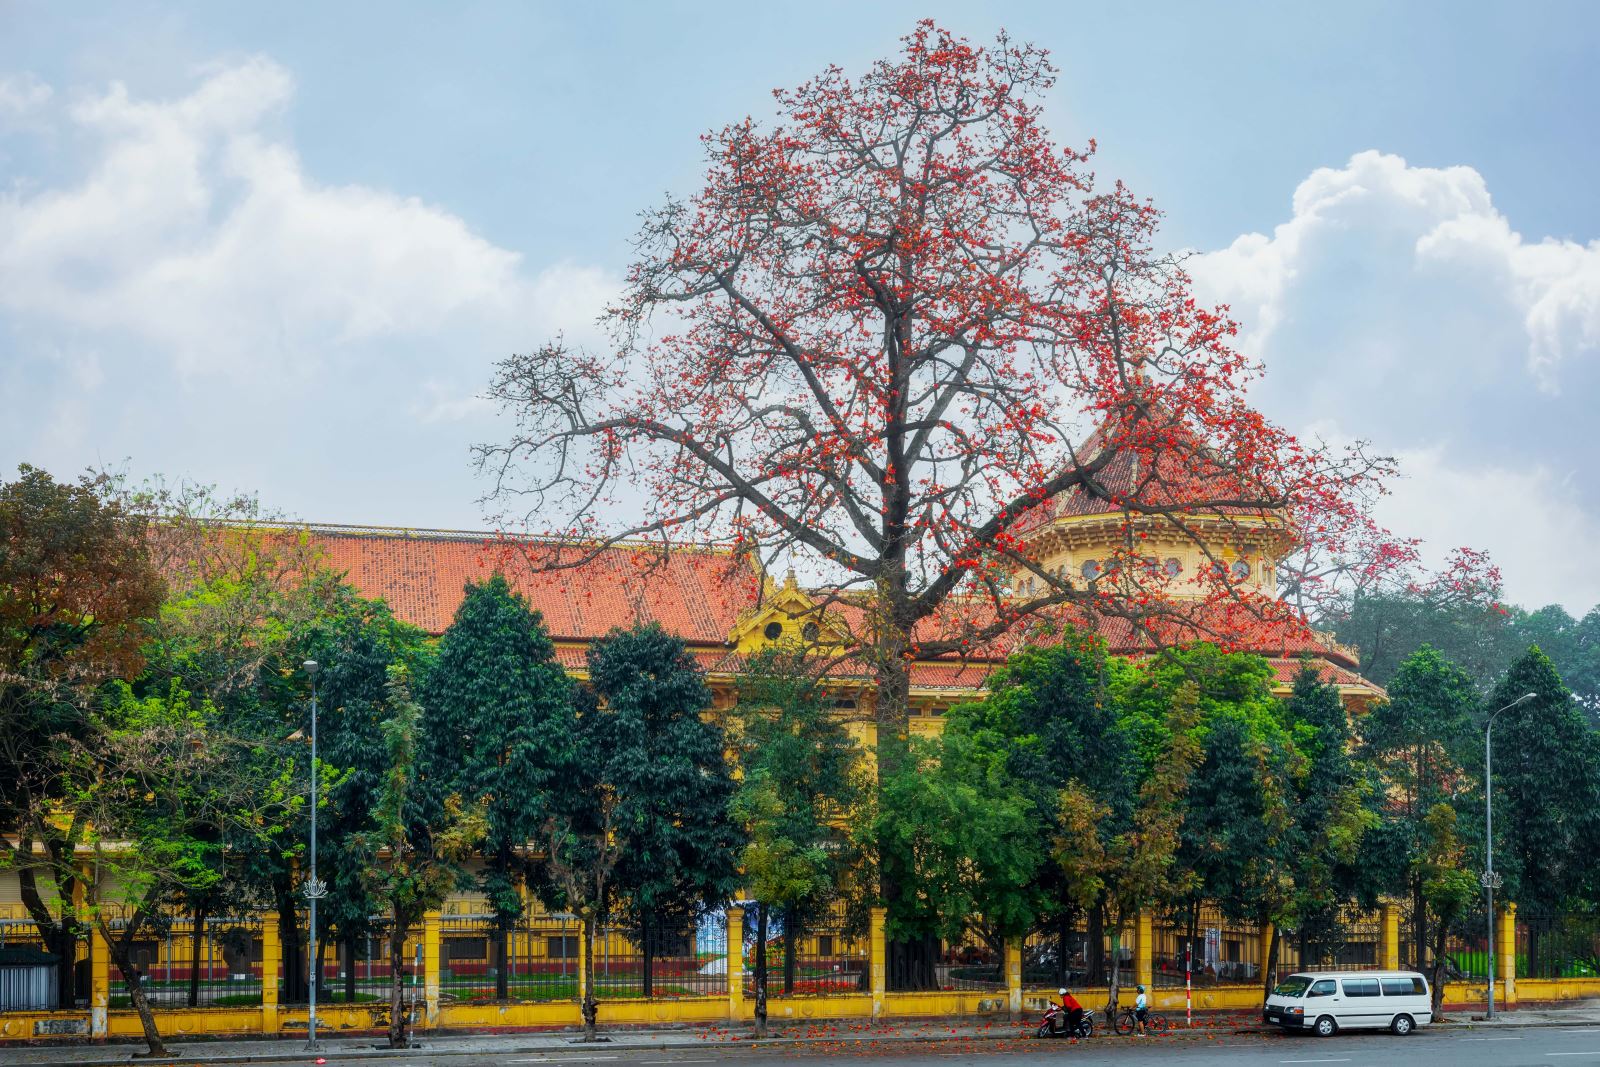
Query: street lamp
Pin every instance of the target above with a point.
(313, 889)
(1491, 880)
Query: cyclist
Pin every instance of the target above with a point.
(1071, 1011)
(1141, 1012)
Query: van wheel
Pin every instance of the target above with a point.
(1403, 1025)
(1326, 1027)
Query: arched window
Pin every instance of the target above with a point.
(773, 631)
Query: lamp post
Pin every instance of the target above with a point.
(313, 889)
(1491, 880)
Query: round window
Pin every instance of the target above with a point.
(1241, 569)
(1173, 567)
(811, 631)
(773, 631)
(1090, 569)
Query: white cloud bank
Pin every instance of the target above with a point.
(1398, 304)
(197, 231)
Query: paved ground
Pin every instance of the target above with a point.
(1523, 1038)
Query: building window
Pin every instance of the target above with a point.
(1174, 566)
(773, 631)
(811, 631)
(563, 947)
(466, 948)
(1090, 569)
(1241, 570)
(824, 944)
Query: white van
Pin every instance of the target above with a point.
(1328, 1001)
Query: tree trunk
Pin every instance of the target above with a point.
(1269, 971)
(791, 933)
(1419, 925)
(502, 984)
(591, 1007)
(122, 956)
(397, 983)
(1113, 991)
(294, 961)
(350, 952)
(909, 966)
(1094, 951)
(1438, 976)
(196, 936)
(761, 970)
(1063, 946)
(647, 963)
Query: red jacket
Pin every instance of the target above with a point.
(1070, 1003)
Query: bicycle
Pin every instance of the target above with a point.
(1154, 1023)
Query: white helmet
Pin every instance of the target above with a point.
(1062, 991)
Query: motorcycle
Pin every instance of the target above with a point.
(1054, 1024)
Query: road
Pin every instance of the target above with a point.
(1532, 1047)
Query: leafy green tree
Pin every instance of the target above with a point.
(1547, 788)
(500, 733)
(1448, 885)
(802, 784)
(1418, 741)
(642, 825)
(419, 843)
(159, 789)
(1573, 645)
(1332, 816)
(76, 586)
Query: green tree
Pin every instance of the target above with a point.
(500, 733)
(1448, 886)
(1418, 742)
(419, 843)
(802, 784)
(1547, 788)
(642, 827)
(76, 586)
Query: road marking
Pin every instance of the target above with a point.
(1590, 1030)
(1572, 1053)
(1341, 1059)
(1494, 1039)
(678, 1061)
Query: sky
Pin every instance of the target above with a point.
(277, 248)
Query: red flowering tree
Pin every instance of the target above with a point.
(869, 345)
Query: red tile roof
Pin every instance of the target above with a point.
(423, 576)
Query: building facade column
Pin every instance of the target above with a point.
(735, 964)
(1505, 936)
(99, 982)
(1389, 937)
(878, 961)
(1013, 965)
(430, 969)
(271, 958)
(1144, 949)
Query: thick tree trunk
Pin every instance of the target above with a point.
(197, 935)
(791, 934)
(1095, 952)
(397, 983)
(761, 970)
(1063, 946)
(1437, 979)
(350, 952)
(122, 956)
(1269, 970)
(502, 983)
(294, 961)
(910, 964)
(591, 1006)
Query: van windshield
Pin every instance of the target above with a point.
(1293, 986)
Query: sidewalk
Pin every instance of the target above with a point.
(346, 1049)
(565, 1043)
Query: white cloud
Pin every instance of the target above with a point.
(197, 231)
(21, 95)
(1399, 304)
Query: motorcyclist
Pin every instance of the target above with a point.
(1141, 1011)
(1071, 1011)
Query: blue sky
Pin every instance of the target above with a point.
(277, 247)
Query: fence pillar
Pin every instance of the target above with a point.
(1505, 936)
(879, 962)
(271, 954)
(430, 969)
(1144, 949)
(99, 982)
(1014, 977)
(1265, 950)
(583, 959)
(1389, 937)
(735, 964)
